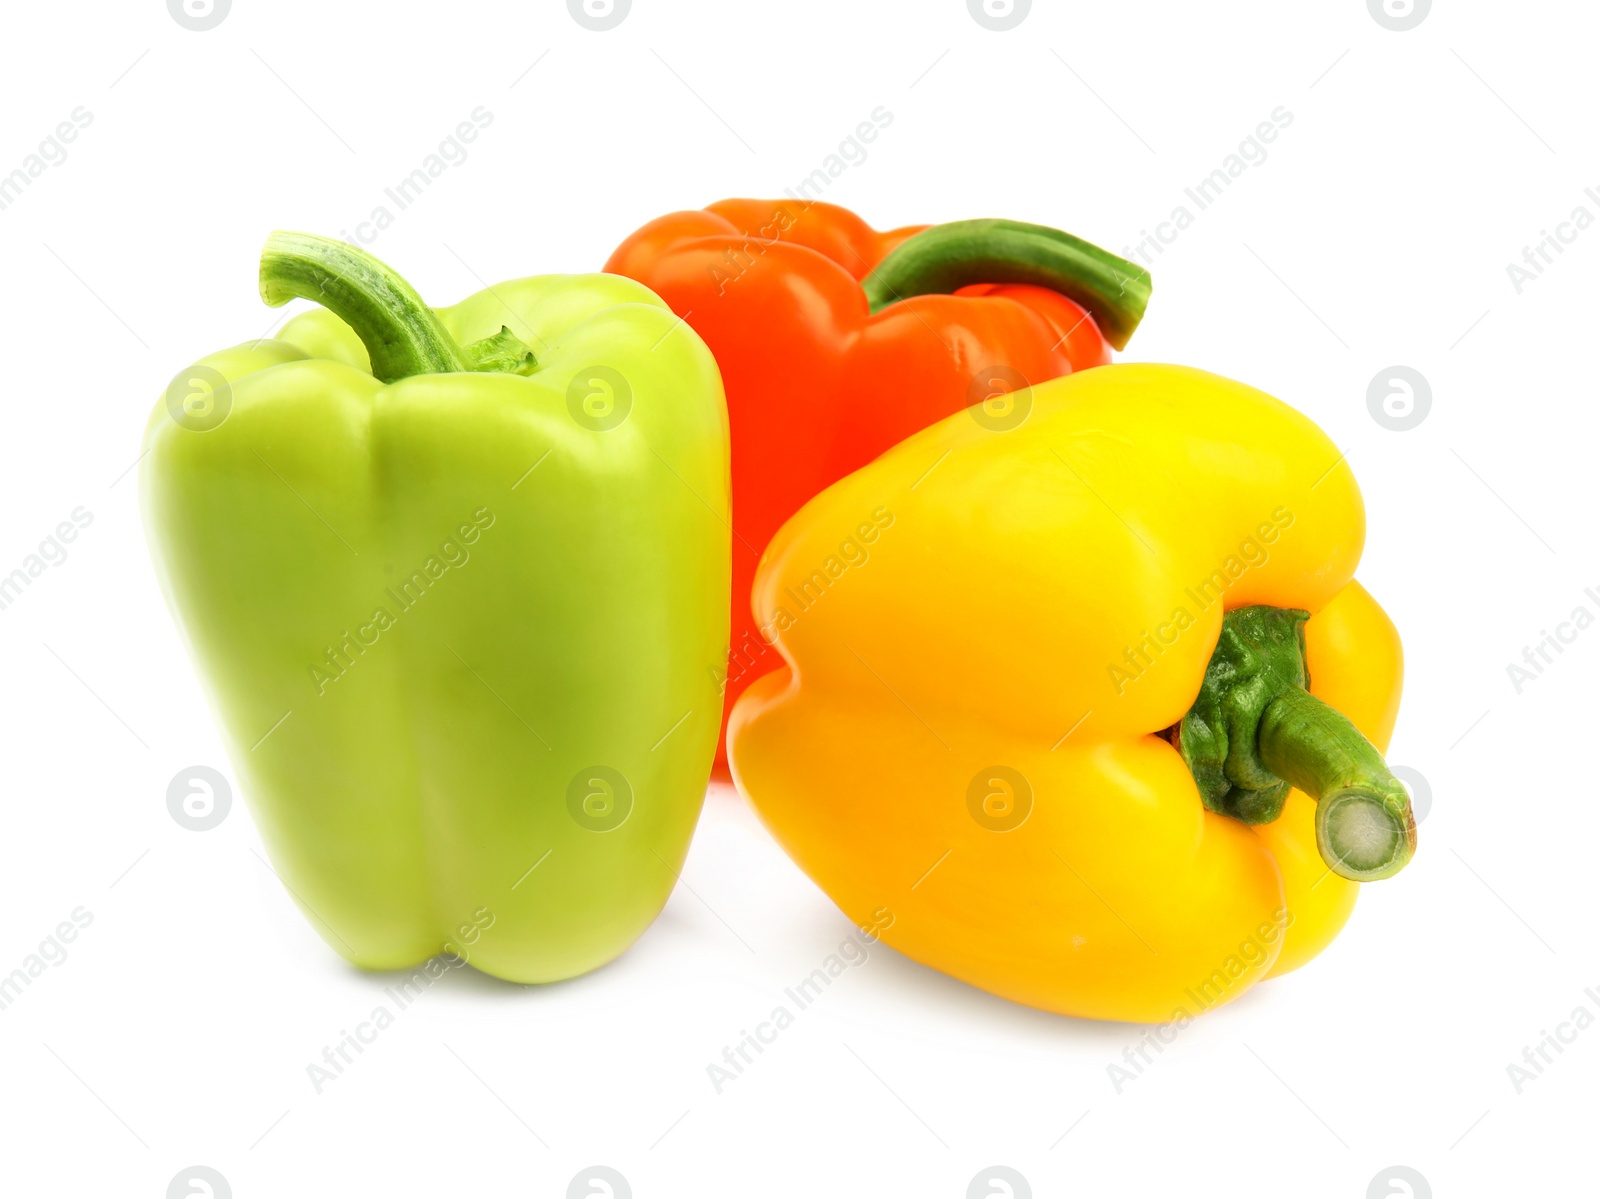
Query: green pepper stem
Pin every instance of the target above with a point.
(1365, 829)
(503, 351)
(939, 260)
(402, 335)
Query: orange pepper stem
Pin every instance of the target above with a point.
(946, 257)
(1365, 829)
(1255, 730)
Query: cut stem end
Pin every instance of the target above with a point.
(1365, 837)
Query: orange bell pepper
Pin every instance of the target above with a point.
(834, 345)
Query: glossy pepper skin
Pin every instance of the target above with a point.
(972, 737)
(823, 375)
(456, 626)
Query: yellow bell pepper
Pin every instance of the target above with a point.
(1046, 692)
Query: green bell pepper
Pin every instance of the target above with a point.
(456, 582)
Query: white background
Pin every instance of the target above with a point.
(1377, 232)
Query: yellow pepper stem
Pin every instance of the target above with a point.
(1365, 829)
(1255, 730)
